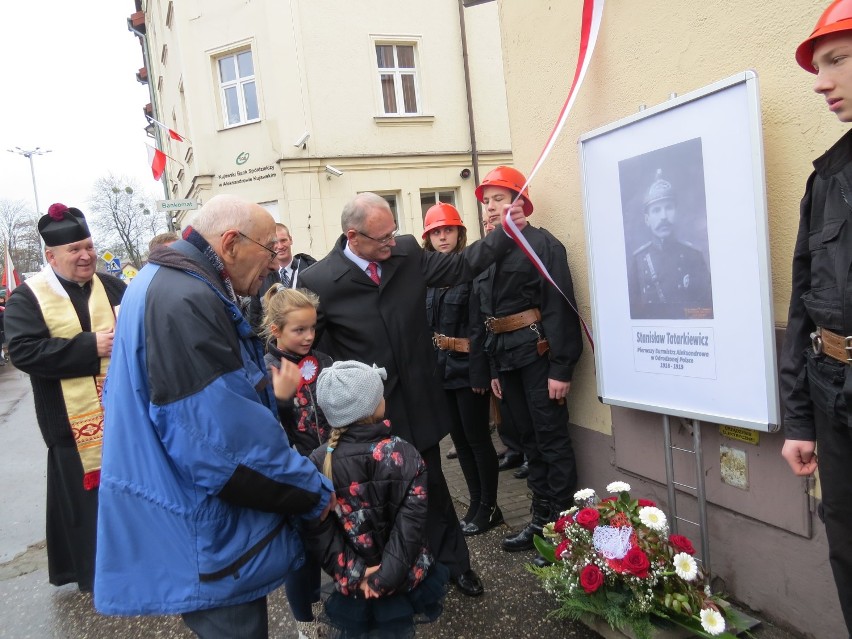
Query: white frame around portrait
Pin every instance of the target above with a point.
(720, 368)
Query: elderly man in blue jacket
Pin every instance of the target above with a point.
(200, 489)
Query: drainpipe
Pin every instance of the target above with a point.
(474, 152)
(152, 98)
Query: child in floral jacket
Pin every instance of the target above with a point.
(375, 547)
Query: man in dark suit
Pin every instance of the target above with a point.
(372, 290)
(288, 268)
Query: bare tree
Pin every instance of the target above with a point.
(124, 220)
(19, 231)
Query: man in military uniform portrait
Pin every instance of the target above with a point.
(668, 277)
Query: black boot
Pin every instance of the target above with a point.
(555, 510)
(486, 518)
(524, 540)
(470, 514)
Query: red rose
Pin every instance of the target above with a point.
(609, 499)
(636, 562)
(646, 502)
(562, 523)
(588, 518)
(591, 578)
(563, 546)
(681, 544)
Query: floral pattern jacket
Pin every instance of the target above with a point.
(301, 417)
(380, 517)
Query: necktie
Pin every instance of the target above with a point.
(285, 277)
(373, 272)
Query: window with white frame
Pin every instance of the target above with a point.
(430, 198)
(398, 78)
(238, 88)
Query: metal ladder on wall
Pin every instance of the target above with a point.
(699, 489)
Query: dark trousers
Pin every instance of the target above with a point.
(246, 621)
(303, 588)
(507, 430)
(443, 531)
(834, 441)
(543, 426)
(472, 439)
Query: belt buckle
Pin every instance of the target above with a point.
(489, 324)
(816, 341)
(847, 346)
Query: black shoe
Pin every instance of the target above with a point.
(522, 472)
(470, 514)
(541, 562)
(512, 459)
(452, 454)
(486, 518)
(469, 584)
(522, 540)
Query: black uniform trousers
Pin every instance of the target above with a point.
(831, 385)
(543, 426)
(472, 438)
(443, 531)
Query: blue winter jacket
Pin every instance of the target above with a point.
(199, 483)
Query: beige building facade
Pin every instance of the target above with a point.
(767, 545)
(299, 105)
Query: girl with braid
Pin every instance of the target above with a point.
(375, 546)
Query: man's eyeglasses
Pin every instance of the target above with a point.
(382, 241)
(272, 252)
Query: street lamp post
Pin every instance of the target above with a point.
(29, 154)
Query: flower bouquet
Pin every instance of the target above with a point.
(614, 559)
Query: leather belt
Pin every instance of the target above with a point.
(513, 322)
(835, 346)
(457, 344)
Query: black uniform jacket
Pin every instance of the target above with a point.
(514, 285)
(386, 324)
(822, 291)
(454, 312)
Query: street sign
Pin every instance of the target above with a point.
(107, 257)
(114, 265)
(177, 205)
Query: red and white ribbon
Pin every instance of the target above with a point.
(589, 28)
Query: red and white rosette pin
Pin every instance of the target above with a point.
(309, 367)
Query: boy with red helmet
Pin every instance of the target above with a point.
(816, 382)
(533, 342)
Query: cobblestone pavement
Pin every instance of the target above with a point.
(513, 606)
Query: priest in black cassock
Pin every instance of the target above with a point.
(60, 324)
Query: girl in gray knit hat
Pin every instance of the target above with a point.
(375, 546)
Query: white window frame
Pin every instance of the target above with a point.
(397, 73)
(239, 84)
(435, 195)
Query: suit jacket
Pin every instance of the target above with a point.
(300, 262)
(386, 324)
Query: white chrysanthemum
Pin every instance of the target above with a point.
(712, 622)
(652, 517)
(685, 566)
(584, 494)
(618, 487)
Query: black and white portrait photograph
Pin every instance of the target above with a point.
(664, 209)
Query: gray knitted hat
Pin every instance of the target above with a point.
(349, 391)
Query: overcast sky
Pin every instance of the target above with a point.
(68, 84)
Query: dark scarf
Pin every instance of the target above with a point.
(193, 237)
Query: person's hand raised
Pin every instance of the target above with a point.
(285, 380)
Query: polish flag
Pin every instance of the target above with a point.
(157, 160)
(10, 283)
(174, 135)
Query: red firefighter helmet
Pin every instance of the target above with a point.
(508, 178)
(837, 17)
(441, 215)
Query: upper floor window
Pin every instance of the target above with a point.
(398, 79)
(238, 89)
(428, 199)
